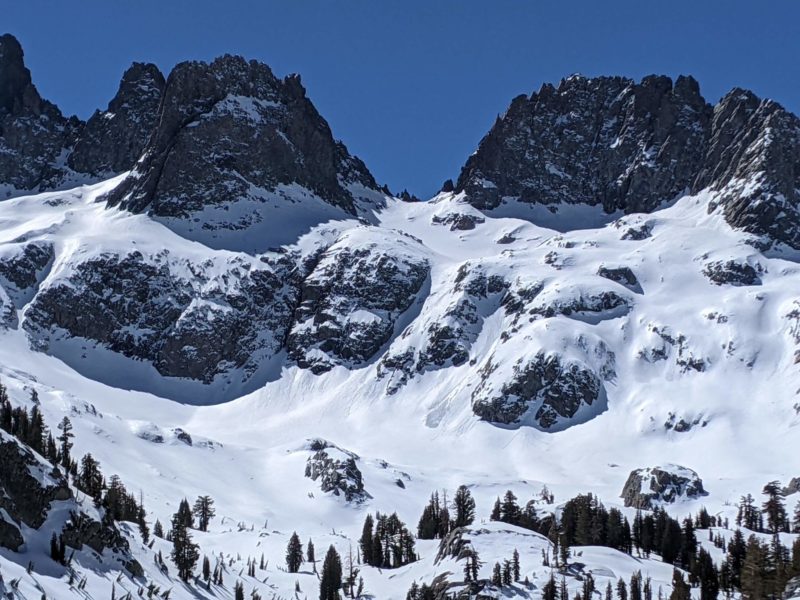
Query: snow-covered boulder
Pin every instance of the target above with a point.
(648, 487)
(336, 470)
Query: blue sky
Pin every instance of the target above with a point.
(412, 86)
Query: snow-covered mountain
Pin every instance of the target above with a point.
(224, 302)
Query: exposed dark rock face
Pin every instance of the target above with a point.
(28, 485)
(336, 470)
(82, 530)
(230, 130)
(21, 272)
(554, 388)
(174, 314)
(733, 272)
(458, 221)
(622, 275)
(476, 293)
(619, 145)
(753, 160)
(353, 298)
(114, 139)
(605, 141)
(647, 488)
(33, 132)
(599, 302)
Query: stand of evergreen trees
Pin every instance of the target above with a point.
(386, 542)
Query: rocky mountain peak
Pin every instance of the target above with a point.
(604, 141)
(229, 131)
(113, 139)
(17, 92)
(631, 147)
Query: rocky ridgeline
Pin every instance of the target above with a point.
(625, 146)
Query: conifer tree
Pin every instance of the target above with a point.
(366, 541)
(680, 589)
(158, 529)
(184, 515)
(495, 516)
(184, 550)
(497, 575)
(65, 438)
(204, 511)
(464, 507)
(294, 553)
(550, 591)
(331, 579)
(515, 565)
(238, 591)
(206, 569)
(309, 555)
(622, 589)
(774, 507)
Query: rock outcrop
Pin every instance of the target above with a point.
(546, 389)
(336, 470)
(188, 320)
(647, 488)
(353, 298)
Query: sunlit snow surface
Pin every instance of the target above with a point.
(249, 454)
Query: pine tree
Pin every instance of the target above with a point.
(796, 518)
(294, 553)
(204, 511)
(509, 509)
(774, 507)
(90, 478)
(495, 516)
(331, 579)
(515, 565)
(144, 530)
(206, 569)
(184, 551)
(707, 575)
(680, 589)
(366, 542)
(65, 439)
(309, 555)
(464, 507)
(497, 575)
(622, 589)
(588, 586)
(158, 529)
(238, 591)
(755, 570)
(184, 514)
(550, 591)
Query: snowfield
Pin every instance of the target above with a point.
(679, 368)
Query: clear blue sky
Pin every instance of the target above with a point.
(411, 86)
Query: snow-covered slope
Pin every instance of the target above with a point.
(596, 354)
